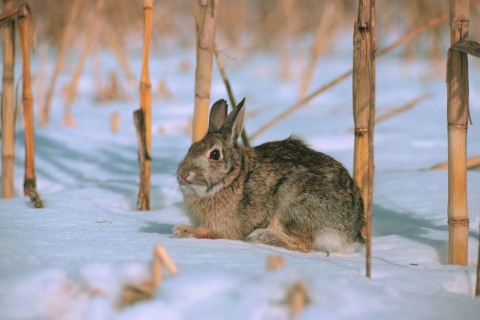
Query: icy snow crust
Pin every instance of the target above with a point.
(71, 259)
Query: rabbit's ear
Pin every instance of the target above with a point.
(234, 122)
(218, 114)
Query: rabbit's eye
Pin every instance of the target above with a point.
(215, 154)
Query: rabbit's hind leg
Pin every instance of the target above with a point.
(278, 238)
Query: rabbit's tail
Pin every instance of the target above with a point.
(332, 241)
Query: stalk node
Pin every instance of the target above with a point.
(359, 132)
(456, 221)
(457, 126)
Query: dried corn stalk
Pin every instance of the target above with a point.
(457, 117)
(133, 293)
(274, 262)
(297, 299)
(8, 106)
(143, 117)
(363, 110)
(206, 25)
(29, 185)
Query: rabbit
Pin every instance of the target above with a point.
(280, 193)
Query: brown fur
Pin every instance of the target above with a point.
(281, 193)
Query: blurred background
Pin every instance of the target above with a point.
(250, 25)
(285, 26)
(297, 42)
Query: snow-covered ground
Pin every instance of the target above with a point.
(71, 259)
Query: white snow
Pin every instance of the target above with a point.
(71, 259)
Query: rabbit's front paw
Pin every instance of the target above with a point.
(183, 231)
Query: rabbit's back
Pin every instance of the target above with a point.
(312, 194)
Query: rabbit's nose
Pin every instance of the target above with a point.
(186, 178)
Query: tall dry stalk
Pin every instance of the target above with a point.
(206, 26)
(371, 124)
(143, 199)
(29, 185)
(143, 117)
(8, 105)
(457, 117)
(64, 45)
(363, 111)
